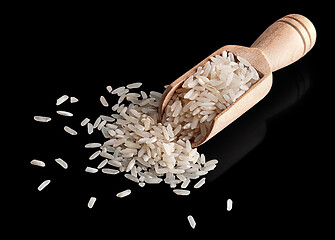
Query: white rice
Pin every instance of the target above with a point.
(103, 101)
(42, 119)
(85, 121)
(107, 118)
(43, 185)
(181, 192)
(91, 170)
(64, 113)
(70, 130)
(110, 171)
(131, 177)
(229, 205)
(37, 163)
(109, 89)
(97, 122)
(95, 155)
(123, 193)
(61, 162)
(211, 89)
(118, 90)
(102, 164)
(200, 183)
(149, 151)
(185, 183)
(73, 99)
(93, 145)
(191, 221)
(62, 99)
(134, 85)
(141, 146)
(91, 202)
(89, 128)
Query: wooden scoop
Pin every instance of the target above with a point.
(284, 42)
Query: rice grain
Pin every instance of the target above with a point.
(43, 185)
(62, 99)
(91, 202)
(64, 113)
(42, 119)
(182, 192)
(61, 162)
(103, 101)
(134, 85)
(37, 163)
(85, 121)
(91, 170)
(200, 183)
(73, 99)
(229, 205)
(123, 193)
(191, 221)
(70, 130)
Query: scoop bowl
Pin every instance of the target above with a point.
(281, 44)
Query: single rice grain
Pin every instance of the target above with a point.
(84, 122)
(134, 85)
(191, 221)
(37, 163)
(182, 192)
(62, 99)
(91, 202)
(43, 185)
(103, 101)
(73, 99)
(61, 162)
(70, 130)
(42, 119)
(64, 113)
(200, 183)
(123, 193)
(229, 205)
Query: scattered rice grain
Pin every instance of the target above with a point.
(73, 99)
(91, 170)
(200, 183)
(61, 162)
(37, 163)
(91, 202)
(64, 113)
(182, 192)
(43, 185)
(134, 85)
(70, 130)
(42, 119)
(191, 221)
(62, 99)
(123, 193)
(229, 205)
(103, 101)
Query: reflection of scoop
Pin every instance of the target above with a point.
(281, 44)
(249, 131)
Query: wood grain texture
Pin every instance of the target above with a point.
(281, 44)
(286, 40)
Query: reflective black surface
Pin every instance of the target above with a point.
(272, 159)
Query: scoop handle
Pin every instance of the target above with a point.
(286, 40)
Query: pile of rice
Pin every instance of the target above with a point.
(208, 92)
(154, 151)
(149, 151)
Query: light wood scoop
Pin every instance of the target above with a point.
(284, 42)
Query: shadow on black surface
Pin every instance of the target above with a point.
(247, 132)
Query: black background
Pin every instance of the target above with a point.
(273, 160)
